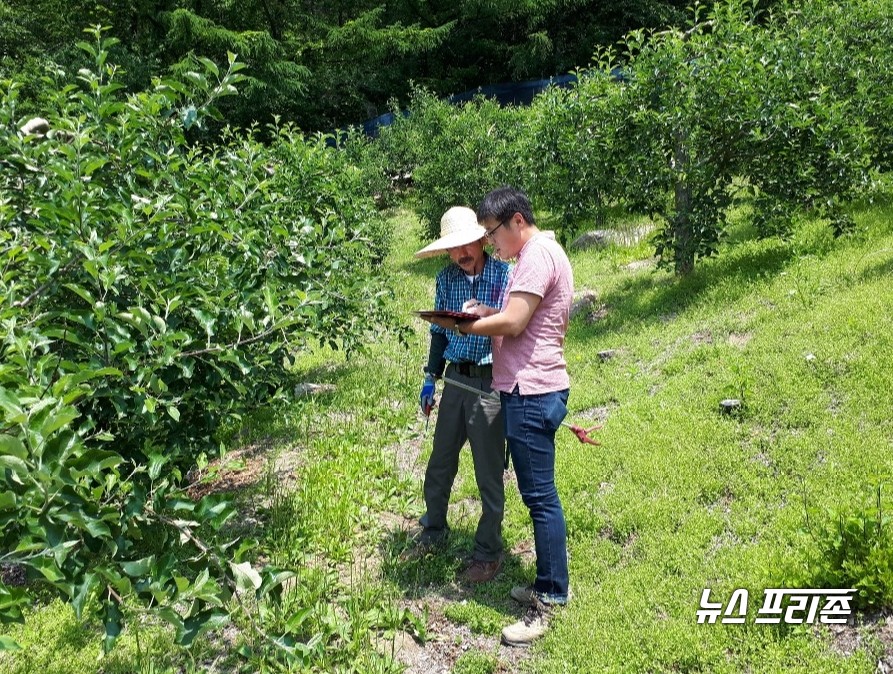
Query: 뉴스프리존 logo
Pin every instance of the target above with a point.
(781, 605)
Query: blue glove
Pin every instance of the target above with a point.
(426, 397)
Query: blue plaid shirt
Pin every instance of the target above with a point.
(453, 289)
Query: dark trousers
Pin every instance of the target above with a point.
(461, 416)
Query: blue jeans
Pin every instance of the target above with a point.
(530, 425)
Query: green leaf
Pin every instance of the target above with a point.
(91, 166)
(175, 85)
(7, 500)
(89, 583)
(201, 579)
(8, 644)
(297, 619)
(201, 623)
(12, 446)
(18, 467)
(83, 293)
(172, 617)
(86, 46)
(247, 579)
(112, 623)
(156, 463)
(189, 117)
(97, 460)
(205, 319)
(209, 65)
(97, 528)
(196, 78)
(9, 403)
(58, 419)
(139, 567)
(48, 568)
(173, 412)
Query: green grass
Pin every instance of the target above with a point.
(801, 331)
(677, 498)
(54, 642)
(475, 662)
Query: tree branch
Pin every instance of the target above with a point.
(217, 349)
(25, 302)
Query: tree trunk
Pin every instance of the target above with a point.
(683, 243)
(272, 21)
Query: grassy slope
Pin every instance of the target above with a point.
(678, 497)
(681, 498)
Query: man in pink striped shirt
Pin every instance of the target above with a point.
(530, 373)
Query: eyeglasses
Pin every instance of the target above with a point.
(491, 232)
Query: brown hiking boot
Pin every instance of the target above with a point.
(531, 627)
(481, 571)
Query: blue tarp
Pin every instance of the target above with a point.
(506, 93)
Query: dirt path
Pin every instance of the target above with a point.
(447, 640)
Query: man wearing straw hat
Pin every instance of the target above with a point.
(528, 330)
(473, 275)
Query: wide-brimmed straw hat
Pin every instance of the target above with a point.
(458, 227)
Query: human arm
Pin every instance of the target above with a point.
(439, 340)
(436, 364)
(510, 322)
(436, 361)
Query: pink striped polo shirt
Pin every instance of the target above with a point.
(534, 360)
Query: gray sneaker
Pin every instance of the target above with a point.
(531, 627)
(523, 595)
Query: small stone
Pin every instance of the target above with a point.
(584, 303)
(598, 238)
(729, 406)
(810, 357)
(601, 238)
(36, 126)
(638, 265)
(308, 388)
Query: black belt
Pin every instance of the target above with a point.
(473, 370)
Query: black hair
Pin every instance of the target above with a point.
(503, 202)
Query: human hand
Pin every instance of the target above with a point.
(477, 308)
(426, 397)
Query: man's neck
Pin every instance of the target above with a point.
(527, 233)
(477, 269)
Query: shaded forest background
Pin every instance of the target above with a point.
(324, 64)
